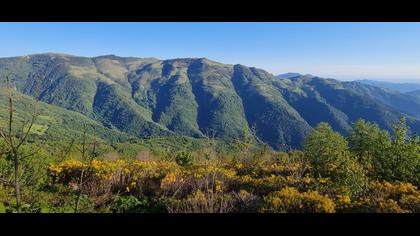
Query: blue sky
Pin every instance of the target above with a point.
(346, 51)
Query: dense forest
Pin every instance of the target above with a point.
(369, 170)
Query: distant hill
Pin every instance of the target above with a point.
(401, 87)
(289, 75)
(195, 97)
(405, 103)
(415, 93)
(294, 76)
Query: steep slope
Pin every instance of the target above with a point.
(404, 103)
(114, 109)
(220, 112)
(55, 123)
(164, 88)
(276, 122)
(64, 81)
(312, 106)
(356, 105)
(197, 97)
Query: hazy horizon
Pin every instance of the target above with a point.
(343, 51)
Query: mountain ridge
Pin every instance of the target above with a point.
(401, 87)
(198, 97)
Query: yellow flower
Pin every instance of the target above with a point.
(343, 199)
(323, 180)
(306, 179)
(218, 185)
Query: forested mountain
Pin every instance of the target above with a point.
(144, 97)
(407, 103)
(401, 87)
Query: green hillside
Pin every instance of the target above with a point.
(406, 103)
(55, 123)
(197, 97)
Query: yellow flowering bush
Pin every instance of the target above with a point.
(342, 202)
(129, 176)
(389, 197)
(290, 200)
(65, 171)
(269, 186)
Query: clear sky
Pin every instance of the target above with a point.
(346, 51)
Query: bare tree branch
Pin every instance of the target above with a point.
(31, 122)
(26, 134)
(10, 100)
(14, 149)
(66, 151)
(5, 138)
(32, 153)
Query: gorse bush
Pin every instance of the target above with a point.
(290, 200)
(385, 197)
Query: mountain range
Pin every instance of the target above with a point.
(415, 93)
(400, 87)
(130, 97)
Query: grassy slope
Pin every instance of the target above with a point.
(55, 123)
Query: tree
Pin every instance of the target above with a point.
(328, 153)
(367, 141)
(323, 146)
(14, 140)
(401, 161)
(87, 158)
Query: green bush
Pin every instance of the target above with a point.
(328, 153)
(128, 204)
(367, 142)
(184, 159)
(132, 204)
(401, 162)
(391, 158)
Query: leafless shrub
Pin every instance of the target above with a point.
(201, 202)
(111, 156)
(144, 156)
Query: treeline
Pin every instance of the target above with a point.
(370, 170)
